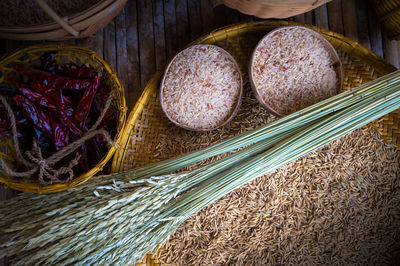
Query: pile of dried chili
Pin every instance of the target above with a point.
(57, 104)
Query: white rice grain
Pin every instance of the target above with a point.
(201, 87)
(292, 66)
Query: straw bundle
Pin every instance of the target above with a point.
(121, 217)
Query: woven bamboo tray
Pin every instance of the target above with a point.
(147, 124)
(80, 25)
(64, 54)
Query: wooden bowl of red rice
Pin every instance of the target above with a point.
(294, 67)
(201, 89)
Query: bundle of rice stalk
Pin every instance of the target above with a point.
(118, 218)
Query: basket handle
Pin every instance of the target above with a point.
(57, 18)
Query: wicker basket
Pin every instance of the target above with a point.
(337, 65)
(389, 14)
(65, 54)
(272, 8)
(147, 124)
(232, 114)
(79, 25)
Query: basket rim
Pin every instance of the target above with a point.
(51, 25)
(85, 24)
(61, 47)
(255, 26)
(223, 33)
(239, 100)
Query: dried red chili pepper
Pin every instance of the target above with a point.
(66, 109)
(60, 131)
(54, 81)
(108, 121)
(51, 94)
(56, 99)
(99, 145)
(65, 100)
(99, 101)
(36, 97)
(79, 72)
(104, 91)
(41, 88)
(83, 108)
(35, 114)
(68, 121)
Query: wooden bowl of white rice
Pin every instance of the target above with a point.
(294, 67)
(202, 87)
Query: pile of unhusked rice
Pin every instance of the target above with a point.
(291, 66)
(201, 87)
(339, 205)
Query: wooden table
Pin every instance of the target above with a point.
(146, 33)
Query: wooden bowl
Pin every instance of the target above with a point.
(337, 64)
(239, 100)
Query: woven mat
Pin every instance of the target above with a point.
(152, 137)
(152, 125)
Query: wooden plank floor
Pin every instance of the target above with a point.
(146, 33)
